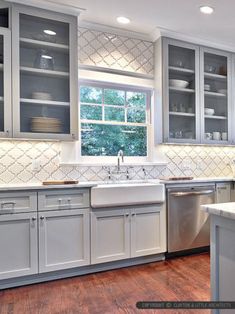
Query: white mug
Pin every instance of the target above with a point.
(224, 136)
(216, 136)
(208, 136)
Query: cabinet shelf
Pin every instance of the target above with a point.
(181, 90)
(42, 72)
(214, 94)
(181, 114)
(181, 70)
(32, 43)
(215, 76)
(216, 117)
(43, 102)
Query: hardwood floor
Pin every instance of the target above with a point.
(116, 291)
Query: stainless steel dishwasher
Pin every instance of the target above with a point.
(188, 226)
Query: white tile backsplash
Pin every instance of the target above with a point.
(199, 161)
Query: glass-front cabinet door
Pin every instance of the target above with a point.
(216, 96)
(181, 94)
(5, 82)
(45, 101)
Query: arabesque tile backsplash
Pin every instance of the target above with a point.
(200, 161)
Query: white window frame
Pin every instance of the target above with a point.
(148, 124)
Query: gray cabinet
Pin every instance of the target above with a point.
(180, 92)
(110, 235)
(18, 245)
(124, 233)
(215, 92)
(45, 98)
(63, 239)
(148, 231)
(223, 192)
(195, 90)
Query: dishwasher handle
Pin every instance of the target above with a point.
(177, 194)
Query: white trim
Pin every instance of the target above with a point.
(163, 32)
(125, 164)
(114, 78)
(52, 6)
(95, 68)
(114, 30)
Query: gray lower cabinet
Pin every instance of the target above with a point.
(223, 192)
(124, 233)
(110, 235)
(148, 231)
(18, 245)
(63, 239)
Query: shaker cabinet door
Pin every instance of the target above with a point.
(110, 235)
(148, 232)
(45, 90)
(64, 240)
(18, 245)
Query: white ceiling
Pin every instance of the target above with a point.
(181, 16)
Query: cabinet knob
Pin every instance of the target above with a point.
(34, 218)
(42, 217)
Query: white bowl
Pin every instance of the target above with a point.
(222, 91)
(209, 111)
(178, 83)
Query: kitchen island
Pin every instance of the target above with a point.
(222, 252)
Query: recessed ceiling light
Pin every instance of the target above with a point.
(49, 32)
(123, 20)
(206, 9)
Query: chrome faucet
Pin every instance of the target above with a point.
(120, 154)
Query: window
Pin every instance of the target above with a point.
(113, 118)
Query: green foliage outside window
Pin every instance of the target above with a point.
(110, 106)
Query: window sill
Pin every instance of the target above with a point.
(97, 164)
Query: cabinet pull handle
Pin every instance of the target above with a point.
(42, 217)
(8, 203)
(69, 200)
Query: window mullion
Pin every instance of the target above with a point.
(103, 107)
(125, 108)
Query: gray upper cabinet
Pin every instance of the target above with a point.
(44, 60)
(181, 97)
(196, 93)
(5, 74)
(215, 94)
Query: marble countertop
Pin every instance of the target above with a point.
(199, 180)
(89, 184)
(38, 186)
(222, 209)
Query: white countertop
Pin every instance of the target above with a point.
(89, 184)
(222, 209)
(200, 180)
(39, 186)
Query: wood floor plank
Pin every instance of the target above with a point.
(117, 291)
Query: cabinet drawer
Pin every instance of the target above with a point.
(63, 199)
(18, 202)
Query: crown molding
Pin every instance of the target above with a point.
(163, 32)
(52, 6)
(114, 30)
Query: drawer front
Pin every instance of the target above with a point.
(18, 202)
(63, 199)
